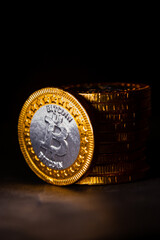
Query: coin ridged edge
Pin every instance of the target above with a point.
(114, 178)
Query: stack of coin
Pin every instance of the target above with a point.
(120, 113)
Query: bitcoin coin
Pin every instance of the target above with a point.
(122, 107)
(125, 126)
(56, 136)
(111, 147)
(116, 167)
(112, 178)
(116, 98)
(116, 117)
(105, 92)
(123, 136)
(103, 159)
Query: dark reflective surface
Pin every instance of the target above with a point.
(36, 210)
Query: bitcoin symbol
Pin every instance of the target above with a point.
(55, 135)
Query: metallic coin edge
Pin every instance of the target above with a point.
(106, 179)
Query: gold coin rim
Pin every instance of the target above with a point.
(76, 176)
(112, 178)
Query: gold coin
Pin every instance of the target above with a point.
(122, 136)
(125, 126)
(111, 92)
(103, 159)
(116, 167)
(55, 136)
(114, 178)
(115, 117)
(116, 98)
(122, 106)
(119, 147)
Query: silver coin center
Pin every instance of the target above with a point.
(55, 136)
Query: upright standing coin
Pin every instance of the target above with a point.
(56, 136)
